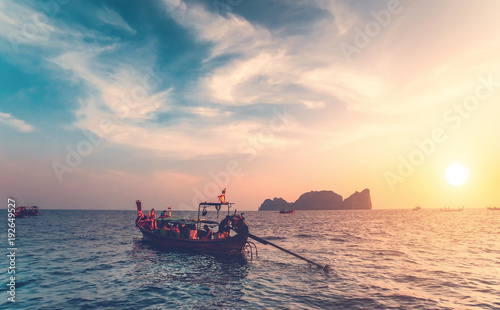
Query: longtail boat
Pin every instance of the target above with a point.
(173, 238)
(283, 211)
(493, 208)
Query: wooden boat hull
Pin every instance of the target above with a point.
(231, 246)
(287, 211)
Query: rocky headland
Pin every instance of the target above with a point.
(321, 200)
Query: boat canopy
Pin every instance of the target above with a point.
(217, 205)
(184, 221)
(203, 206)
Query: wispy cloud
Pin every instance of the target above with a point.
(112, 18)
(230, 35)
(15, 123)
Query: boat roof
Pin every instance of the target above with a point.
(216, 204)
(184, 221)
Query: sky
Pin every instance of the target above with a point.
(106, 102)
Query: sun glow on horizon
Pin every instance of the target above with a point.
(457, 174)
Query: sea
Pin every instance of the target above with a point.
(379, 259)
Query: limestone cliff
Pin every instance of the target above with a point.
(275, 204)
(322, 200)
(359, 201)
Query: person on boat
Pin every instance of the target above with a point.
(224, 228)
(222, 198)
(168, 229)
(163, 214)
(193, 232)
(142, 218)
(175, 232)
(201, 234)
(184, 231)
(146, 221)
(159, 226)
(207, 234)
(164, 228)
(239, 224)
(152, 214)
(152, 218)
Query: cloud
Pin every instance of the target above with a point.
(112, 18)
(267, 67)
(248, 68)
(15, 123)
(229, 35)
(124, 90)
(124, 95)
(208, 112)
(22, 25)
(313, 104)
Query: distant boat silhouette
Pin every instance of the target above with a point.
(493, 208)
(282, 211)
(417, 208)
(448, 209)
(24, 211)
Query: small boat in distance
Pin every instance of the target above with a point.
(417, 208)
(282, 211)
(448, 209)
(24, 211)
(493, 208)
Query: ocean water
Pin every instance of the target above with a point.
(379, 259)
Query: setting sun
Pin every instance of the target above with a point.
(456, 174)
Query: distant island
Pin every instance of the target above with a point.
(321, 200)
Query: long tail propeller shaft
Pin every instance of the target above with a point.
(325, 268)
